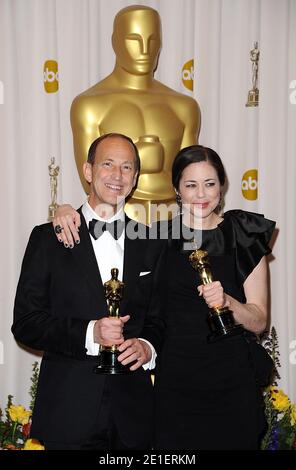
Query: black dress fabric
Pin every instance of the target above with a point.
(207, 396)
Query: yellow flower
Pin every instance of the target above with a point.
(19, 414)
(293, 415)
(33, 444)
(280, 400)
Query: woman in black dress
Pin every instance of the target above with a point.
(208, 394)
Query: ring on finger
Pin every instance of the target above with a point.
(58, 229)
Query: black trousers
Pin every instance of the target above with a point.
(104, 436)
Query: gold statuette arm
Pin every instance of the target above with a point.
(85, 129)
(192, 120)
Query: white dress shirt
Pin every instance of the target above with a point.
(106, 244)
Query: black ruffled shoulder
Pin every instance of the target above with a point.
(249, 233)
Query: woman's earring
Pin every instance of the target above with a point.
(178, 200)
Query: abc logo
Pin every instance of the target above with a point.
(51, 76)
(188, 74)
(250, 185)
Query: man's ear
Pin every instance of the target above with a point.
(87, 172)
(135, 179)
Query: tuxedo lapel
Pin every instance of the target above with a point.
(133, 254)
(86, 260)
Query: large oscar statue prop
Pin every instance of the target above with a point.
(130, 101)
(108, 362)
(220, 319)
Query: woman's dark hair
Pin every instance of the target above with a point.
(92, 149)
(196, 154)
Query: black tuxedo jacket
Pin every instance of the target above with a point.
(59, 292)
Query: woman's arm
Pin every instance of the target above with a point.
(69, 220)
(252, 314)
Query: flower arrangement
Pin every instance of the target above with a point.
(15, 424)
(280, 412)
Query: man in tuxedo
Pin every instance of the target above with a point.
(60, 308)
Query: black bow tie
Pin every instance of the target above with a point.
(97, 228)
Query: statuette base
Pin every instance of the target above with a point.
(51, 211)
(253, 98)
(109, 364)
(222, 325)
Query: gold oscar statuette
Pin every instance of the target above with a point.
(53, 175)
(220, 319)
(253, 95)
(108, 362)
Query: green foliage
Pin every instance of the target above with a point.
(15, 423)
(34, 383)
(279, 411)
